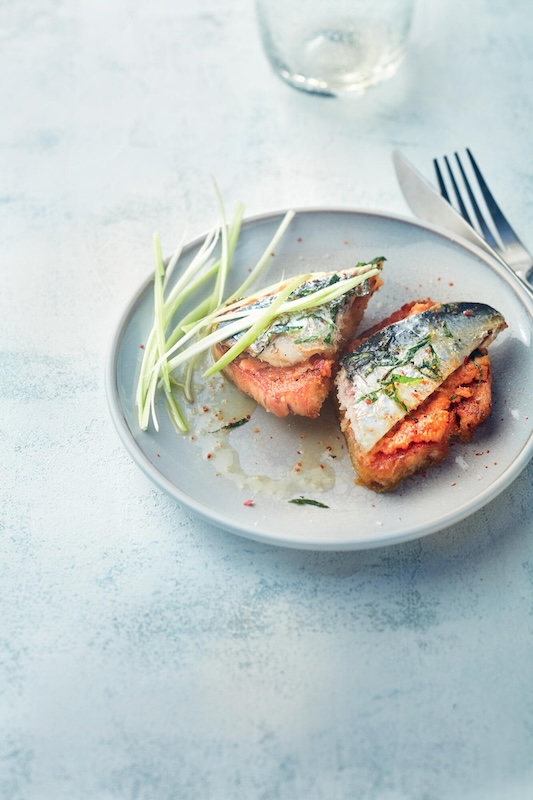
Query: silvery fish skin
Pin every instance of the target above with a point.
(396, 369)
(296, 336)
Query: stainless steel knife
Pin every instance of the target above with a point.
(427, 204)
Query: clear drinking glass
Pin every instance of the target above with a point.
(335, 47)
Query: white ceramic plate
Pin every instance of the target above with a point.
(242, 480)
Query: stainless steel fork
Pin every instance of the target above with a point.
(498, 234)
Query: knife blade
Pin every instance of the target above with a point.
(428, 204)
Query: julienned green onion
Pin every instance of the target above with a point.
(155, 368)
(262, 321)
(158, 308)
(247, 319)
(183, 288)
(280, 305)
(215, 317)
(240, 306)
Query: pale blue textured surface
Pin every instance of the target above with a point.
(144, 654)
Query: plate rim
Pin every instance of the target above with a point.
(459, 513)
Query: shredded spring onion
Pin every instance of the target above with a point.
(156, 369)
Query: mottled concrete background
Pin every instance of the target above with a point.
(145, 655)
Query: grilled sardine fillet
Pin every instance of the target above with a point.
(290, 367)
(406, 388)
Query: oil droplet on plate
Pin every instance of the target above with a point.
(273, 456)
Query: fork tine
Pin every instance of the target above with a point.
(487, 233)
(460, 203)
(507, 234)
(440, 179)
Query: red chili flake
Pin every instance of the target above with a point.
(272, 254)
(488, 451)
(453, 484)
(439, 278)
(299, 452)
(322, 466)
(141, 346)
(205, 409)
(368, 401)
(248, 503)
(495, 463)
(450, 283)
(479, 454)
(466, 359)
(468, 313)
(300, 239)
(209, 455)
(158, 455)
(346, 241)
(299, 464)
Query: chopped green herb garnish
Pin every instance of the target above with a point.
(231, 425)
(390, 380)
(447, 331)
(377, 260)
(304, 501)
(479, 369)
